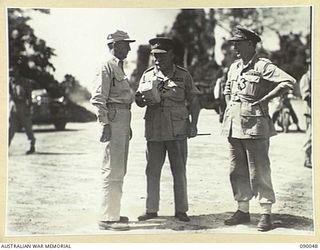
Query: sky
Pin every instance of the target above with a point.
(79, 36)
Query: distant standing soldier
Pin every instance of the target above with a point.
(252, 83)
(284, 102)
(218, 93)
(170, 100)
(20, 108)
(112, 98)
(305, 87)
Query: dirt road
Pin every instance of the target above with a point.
(57, 190)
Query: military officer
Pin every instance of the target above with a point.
(20, 108)
(169, 93)
(305, 87)
(112, 98)
(252, 83)
(284, 102)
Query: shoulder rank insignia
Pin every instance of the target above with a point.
(184, 69)
(149, 69)
(265, 60)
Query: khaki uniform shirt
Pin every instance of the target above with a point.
(111, 85)
(247, 84)
(169, 119)
(305, 88)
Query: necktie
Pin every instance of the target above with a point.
(121, 65)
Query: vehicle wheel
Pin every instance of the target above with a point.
(286, 122)
(60, 125)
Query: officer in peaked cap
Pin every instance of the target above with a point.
(244, 34)
(112, 98)
(161, 45)
(169, 121)
(251, 83)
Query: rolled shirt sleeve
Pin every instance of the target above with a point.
(100, 93)
(191, 89)
(276, 75)
(227, 89)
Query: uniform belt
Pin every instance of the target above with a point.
(241, 99)
(169, 103)
(173, 106)
(119, 105)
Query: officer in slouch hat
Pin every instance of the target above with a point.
(112, 98)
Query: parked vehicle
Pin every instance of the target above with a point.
(48, 110)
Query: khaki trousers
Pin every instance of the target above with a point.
(156, 154)
(20, 115)
(250, 172)
(114, 164)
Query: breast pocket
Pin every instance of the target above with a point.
(249, 84)
(119, 86)
(175, 91)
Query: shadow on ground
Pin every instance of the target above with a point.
(47, 153)
(49, 130)
(291, 131)
(216, 221)
(46, 130)
(59, 153)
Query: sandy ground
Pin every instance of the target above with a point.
(57, 190)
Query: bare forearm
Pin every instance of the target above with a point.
(227, 99)
(194, 110)
(277, 91)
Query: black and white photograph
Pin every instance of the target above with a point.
(160, 121)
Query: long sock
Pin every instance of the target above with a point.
(243, 206)
(265, 208)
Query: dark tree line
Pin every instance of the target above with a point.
(193, 32)
(31, 57)
(28, 54)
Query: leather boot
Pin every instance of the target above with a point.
(264, 223)
(147, 216)
(182, 216)
(32, 147)
(238, 217)
(120, 225)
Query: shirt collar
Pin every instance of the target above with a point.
(160, 75)
(254, 57)
(116, 60)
